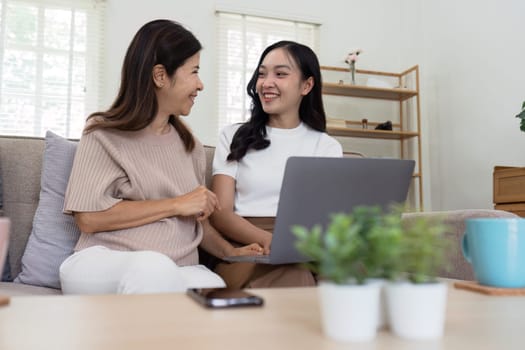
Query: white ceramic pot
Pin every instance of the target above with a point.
(382, 315)
(349, 312)
(417, 311)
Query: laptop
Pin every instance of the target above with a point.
(313, 188)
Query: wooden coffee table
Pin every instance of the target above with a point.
(289, 320)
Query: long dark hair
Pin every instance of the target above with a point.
(252, 134)
(158, 42)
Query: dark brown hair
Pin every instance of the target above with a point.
(161, 42)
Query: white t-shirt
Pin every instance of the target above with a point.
(259, 174)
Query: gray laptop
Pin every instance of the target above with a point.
(313, 188)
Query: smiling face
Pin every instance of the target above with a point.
(280, 86)
(176, 95)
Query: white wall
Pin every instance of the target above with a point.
(474, 84)
(469, 52)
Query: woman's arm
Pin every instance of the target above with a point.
(200, 202)
(215, 244)
(230, 224)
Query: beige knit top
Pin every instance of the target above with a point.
(112, 165)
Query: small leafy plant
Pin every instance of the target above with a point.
(521, 115)
(368, 243)
(338, 254)
(423, 249)
(354, 247)
(384, 246)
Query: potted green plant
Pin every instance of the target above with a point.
(521, 115)
(345, 256)
(383, 255)
(416, 299)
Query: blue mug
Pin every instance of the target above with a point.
(496, 249)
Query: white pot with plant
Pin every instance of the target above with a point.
(417, 300)
(382, 245)
(341, 257)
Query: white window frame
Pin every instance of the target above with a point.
(30, 120)
(235, 33)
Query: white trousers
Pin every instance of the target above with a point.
(100, 270)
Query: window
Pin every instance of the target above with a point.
(50, 75)
(241, 40)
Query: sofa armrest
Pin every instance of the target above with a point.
(459, 268)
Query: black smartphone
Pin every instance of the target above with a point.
(224, 297)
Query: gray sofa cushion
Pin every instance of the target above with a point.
(6, 273)
(54, 234)
(458, 267)
(18, 289)
(1, 193)
(21, 160)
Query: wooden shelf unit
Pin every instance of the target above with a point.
(373, 134)
(400, 94)
(395, 94)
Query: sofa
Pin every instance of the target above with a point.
(21, 167)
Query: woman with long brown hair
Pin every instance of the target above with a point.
(136, 189)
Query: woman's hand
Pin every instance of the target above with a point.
(200, 202)
(251, 249)
(266, 242)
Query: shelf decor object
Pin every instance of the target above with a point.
(351, 59)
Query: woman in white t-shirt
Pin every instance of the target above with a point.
(287, 119)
